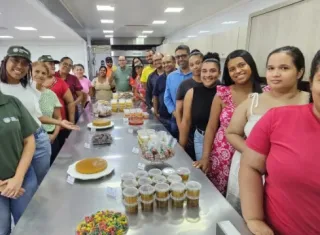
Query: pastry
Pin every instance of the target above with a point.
(100, 139)
(103, 222)
(91, 165)
(101, 122)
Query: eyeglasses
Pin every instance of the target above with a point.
(183, 56)
(17, 60)
(67, 65)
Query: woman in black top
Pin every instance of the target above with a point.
(197, 103)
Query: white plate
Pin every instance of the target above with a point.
(90, 125)
(73, 173)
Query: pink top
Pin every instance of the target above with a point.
(289, 137)
(86, 84)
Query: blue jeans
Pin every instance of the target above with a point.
(16, 207)
(174, 128)
(198, 144)
(42, 155)
(166, 123)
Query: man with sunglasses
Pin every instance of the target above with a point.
(173, 81)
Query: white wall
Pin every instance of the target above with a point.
(76, 50)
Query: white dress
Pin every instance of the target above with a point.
(233, 194)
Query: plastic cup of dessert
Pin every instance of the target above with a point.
(162, 190)
(178, 190)
(192, 202)
(157, 179)
(130, 195)
(193, 189)
(144, 181)
(155, 171)
(184, 173)
(147, 206)
(162, 202)
(151, 131)
(141, 173)
(127, 176)
(174, 179)
(168, 171)
(147, 192)
(142, 133)
(177, 202)
(130, 184)
(131, 208)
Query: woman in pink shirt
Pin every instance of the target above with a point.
(78, 70)
(284, 146)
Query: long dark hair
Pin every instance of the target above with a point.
(247, 57)
(4, 77)
(297, 58)
(134, 73)
(315, 66)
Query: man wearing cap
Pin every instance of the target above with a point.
(122, 75)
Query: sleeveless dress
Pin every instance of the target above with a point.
(103, 90)
(222, 151)
(233, 184)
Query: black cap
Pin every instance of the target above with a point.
(109, 60)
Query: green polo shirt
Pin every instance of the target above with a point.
(15, 125)
(121, 77)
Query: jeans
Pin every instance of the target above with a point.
(166, 123)
(198, 144)
(55, 149)
(174, 128)
(41, 157)
(16, 207)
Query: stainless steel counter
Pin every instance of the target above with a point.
(58, 206)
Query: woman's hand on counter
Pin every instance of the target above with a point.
(259, 227)
(203, 164)
(13, 188)
(69, 125)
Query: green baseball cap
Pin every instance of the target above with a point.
(47, 58)
(19, 51)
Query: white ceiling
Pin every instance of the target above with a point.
(31, 13)
(143, 13)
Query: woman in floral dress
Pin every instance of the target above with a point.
(240, 78)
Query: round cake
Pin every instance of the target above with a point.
(91, 165)
(104, 222)
(101, 122)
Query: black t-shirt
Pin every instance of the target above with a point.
(201, 106)
(185, 86)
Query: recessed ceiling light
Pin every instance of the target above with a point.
(47, 37)
(230, 22)
(204, 31)
(104, 21)
(147, 31)
(5, 36)
(159, 22)
(142, 36)
(26, 28)
(107, 31)
(108, 36)
(105, 8)
(174, 9)
(192, 36)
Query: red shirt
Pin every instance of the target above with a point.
(289, 137)
(73, 83)
(60, 87)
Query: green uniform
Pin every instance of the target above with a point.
(15, 125)
(122, 77)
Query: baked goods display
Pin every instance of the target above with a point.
(91, 165)
(102, 108)
(101, 122)
(104, 222)
(125, 95)
(101, 139)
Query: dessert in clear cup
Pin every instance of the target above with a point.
(140, 173)
(192, 202)
(144, 180)
(129, 184)
(184, 173)
(177, 202)
(162, 203)
(130, 195)
(153, 172)
(147, 192)
(131, 208)
(178, 190)
(174, 179)
(145, 115)
(193, 189)
(168, 171)
(147, 206)
(127, 176)
(162, 190)
(158, 179)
